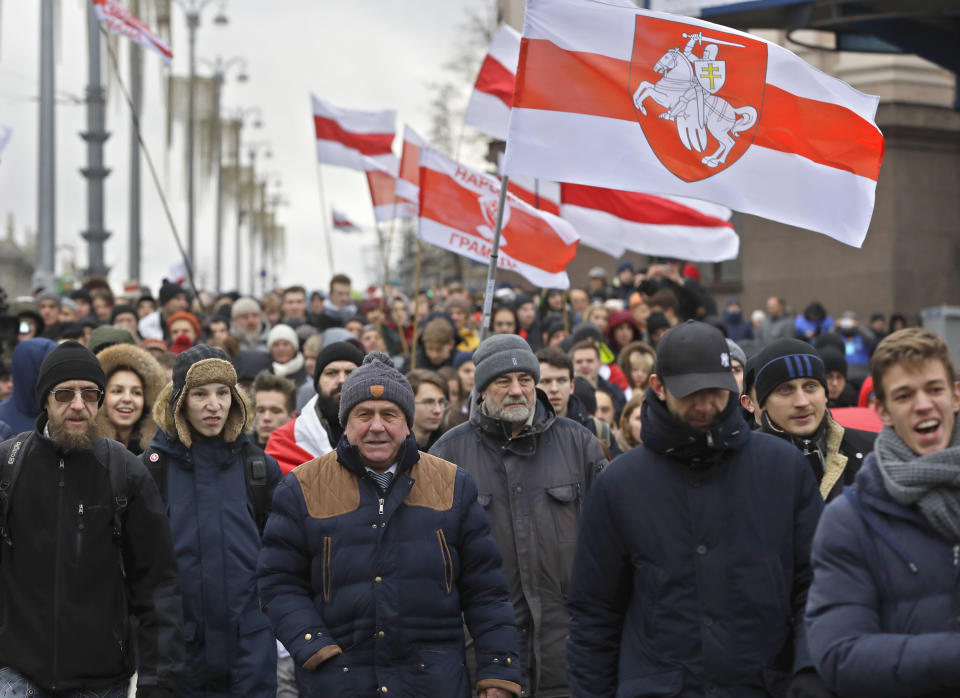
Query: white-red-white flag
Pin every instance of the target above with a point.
(614, 221)
(342, 223)
(489, 107)
(647, 101)
(354, 139)
(408, 182)
(118, 20)
(383, 194)
(458, 212)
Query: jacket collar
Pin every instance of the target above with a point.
(348, 455)
(524, 443)
(665, 434)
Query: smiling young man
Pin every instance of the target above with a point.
(375, 555)
(882, 614)
(692, 563)
(790, 380)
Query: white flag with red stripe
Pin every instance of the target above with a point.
(408, 181)
(458, 212)
(383, 194)
(355, 139)
(489, 107)
(342, 223)
(614, 221)
(647, 101)
(120, 21)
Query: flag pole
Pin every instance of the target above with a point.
(416, 298)
(327, 234)
(494, 256)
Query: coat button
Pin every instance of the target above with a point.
(381, 634)
(707, 621)
(383, 689)
(509, 661)
(308, 636)
(701, 549)
(496, 660)
(378, 579)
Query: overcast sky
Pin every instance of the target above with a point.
(363, 54)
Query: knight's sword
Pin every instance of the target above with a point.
(707, 39)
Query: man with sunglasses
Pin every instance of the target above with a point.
(85, 547)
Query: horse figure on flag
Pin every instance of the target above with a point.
(688, 80)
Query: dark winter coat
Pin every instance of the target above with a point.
(532, 486)
(230, 647)
(366, 589)
(883, 615)
(66, 606)
(693, 565)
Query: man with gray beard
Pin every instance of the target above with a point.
(86, 549)
(532, 469)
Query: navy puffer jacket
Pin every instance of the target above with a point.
(883, 615)
(366, 589)
(692, 564)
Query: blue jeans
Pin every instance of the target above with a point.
(13, 685)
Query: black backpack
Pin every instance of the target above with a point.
(254, 473)
(11, 463)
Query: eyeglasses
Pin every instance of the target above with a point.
(430, 403)
(66, 395)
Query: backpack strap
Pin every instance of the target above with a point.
(116, 461)
(156, 462)
(11, 462)
(255, 474)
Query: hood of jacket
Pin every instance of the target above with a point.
(141, 362)
(524, 443)
(20, 410)
(669, 436)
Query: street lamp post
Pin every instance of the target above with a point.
(241, 117)
(193, 9)
(252, 150)
(220, 69)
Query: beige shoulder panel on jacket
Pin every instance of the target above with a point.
(328, 488)
(434, 479)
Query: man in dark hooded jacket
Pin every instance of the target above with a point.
(692, 565)
(19, 411)
(532, 469)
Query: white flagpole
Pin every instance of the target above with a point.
(494, 256)
(327, 233)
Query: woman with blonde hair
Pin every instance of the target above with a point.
(636, 360)
(134, 379)
(630, 426)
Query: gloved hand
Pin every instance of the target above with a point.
(808, 684)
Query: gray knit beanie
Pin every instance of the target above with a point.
(503, 353)
(376, 379)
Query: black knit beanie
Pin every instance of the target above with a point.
(784, 360)
(336, 351)
(70, 361)
(169, 290)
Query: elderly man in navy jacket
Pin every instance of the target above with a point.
(692, 565)
(882, 614)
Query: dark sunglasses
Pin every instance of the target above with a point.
(66, 395)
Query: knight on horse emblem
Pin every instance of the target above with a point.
(688, 91)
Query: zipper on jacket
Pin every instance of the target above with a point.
(381, 506)
(56, 583)
(956, 555)
(79, 546)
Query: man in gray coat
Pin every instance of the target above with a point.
(532, 470)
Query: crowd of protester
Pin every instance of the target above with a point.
(279, 435)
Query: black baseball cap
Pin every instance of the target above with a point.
(694, 356)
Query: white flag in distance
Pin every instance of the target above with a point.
(383, 194)
(355, 139)
(458, 212)
(342, 223)
(489, 107)
(647, 101)
(120, 21)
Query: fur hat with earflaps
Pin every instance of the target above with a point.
(127, 357)
(200, 365)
